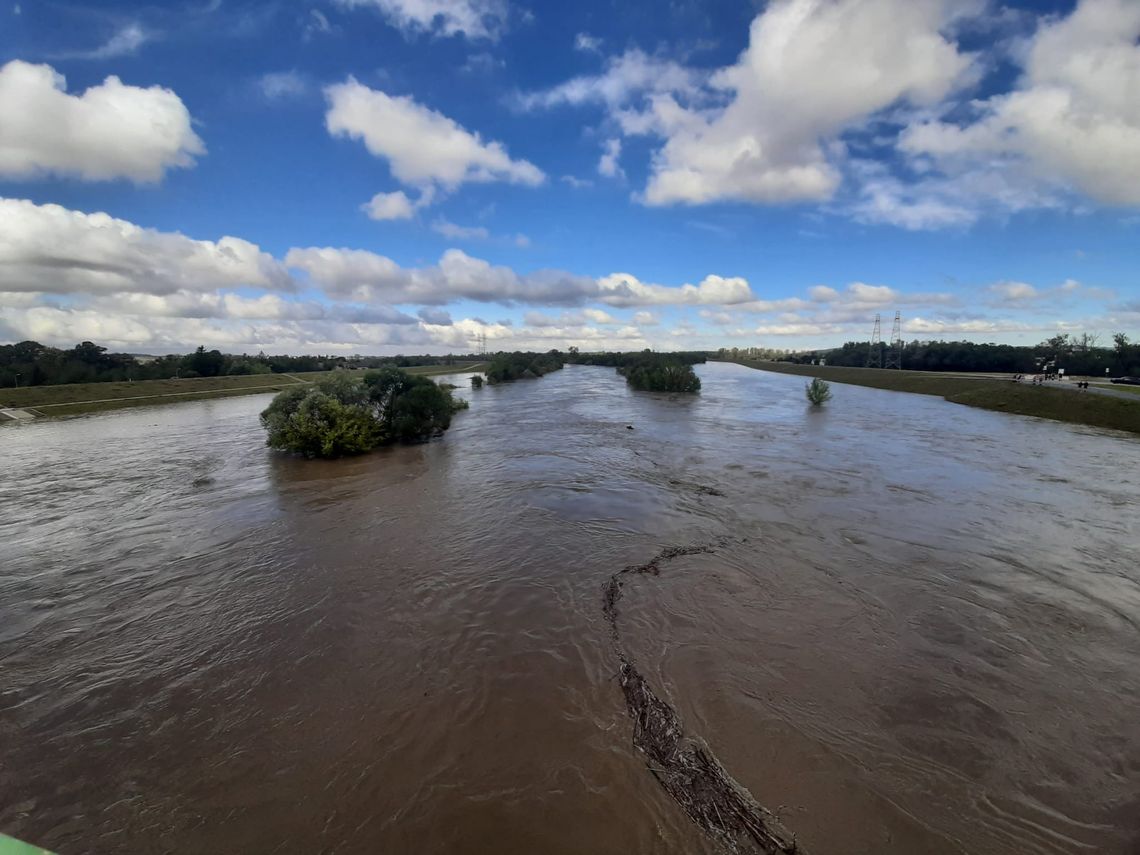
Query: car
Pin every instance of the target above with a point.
(1128, 381)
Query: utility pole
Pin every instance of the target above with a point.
(875, 351)
(894, 355)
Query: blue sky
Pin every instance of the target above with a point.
(385, 176)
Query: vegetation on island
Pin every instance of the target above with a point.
(476, 381)
(508, 367)
(647, 371)
(348, 415)
(818, 392)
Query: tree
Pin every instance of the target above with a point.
(343, 415)
(818, 392)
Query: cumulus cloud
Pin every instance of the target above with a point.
(587, 43)
(424, 148)
(626, 78)
(608, 164)
(813, 68)
(110, 131)
(475, 19)
(1072, 123)
(53, 249)
(390, 206)
(623, 289)
(364, 276)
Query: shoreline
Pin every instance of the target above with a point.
(80, 398)
(988, 393)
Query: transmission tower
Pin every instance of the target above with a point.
(875, 352)
(894, 355)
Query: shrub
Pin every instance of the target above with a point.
(476, 381)
(818, 392)
(343, 415)
(653, 373)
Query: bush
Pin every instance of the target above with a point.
(343, 415)
(818, 392)
(476, 381)
(661, 374)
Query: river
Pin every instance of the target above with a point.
(917, 631)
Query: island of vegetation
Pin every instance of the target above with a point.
(346, 415)
(508, 367)
(648, 371)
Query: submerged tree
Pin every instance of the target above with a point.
(660, 373)
(343, 415)
(818, 392)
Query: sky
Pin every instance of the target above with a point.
(408, 176)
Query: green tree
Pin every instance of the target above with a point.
(343, 415)
(818, 392)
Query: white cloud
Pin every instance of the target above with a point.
(474, 19)
(127, 132)
(813, 68)
(424, 148)
(575, 182)
(608, 164)
(623, 289)
(587, 43)
(280, 85)
(1014, 292)
(359, 275)
(390, 206)
(124, 42)
(627, 77)
(317, 24)
(1071, 123)
(47, 248)
(456, 232)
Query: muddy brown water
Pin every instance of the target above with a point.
(919, 631)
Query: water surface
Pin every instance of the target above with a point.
(919, 632)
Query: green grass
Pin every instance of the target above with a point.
(1119, 387)
(988, 394)
(75, 398)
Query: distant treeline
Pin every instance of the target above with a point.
(647, 371)
(508, 367)
(30, 363)
(620, 360)
(1076, 355)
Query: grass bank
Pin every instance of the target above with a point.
(75, 398)
(1062, 405)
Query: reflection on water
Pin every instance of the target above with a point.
(920, 635)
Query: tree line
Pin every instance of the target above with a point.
(508, 367)
(30, 363)
(1077, 355)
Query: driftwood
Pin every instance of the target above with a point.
(683, 766)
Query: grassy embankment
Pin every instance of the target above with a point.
(1063, 405)
(72, 399)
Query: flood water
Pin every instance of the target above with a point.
(919, 631)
